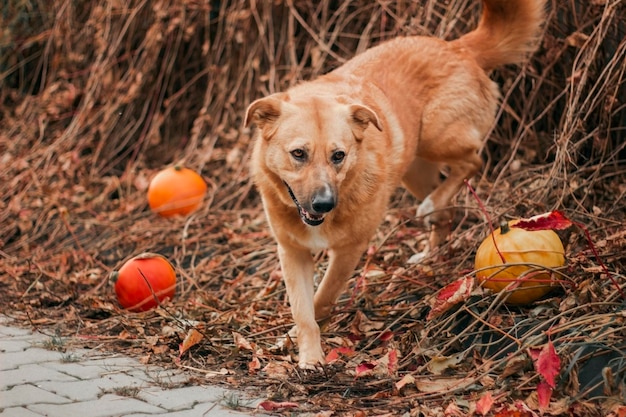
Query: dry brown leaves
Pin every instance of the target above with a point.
(98, 96)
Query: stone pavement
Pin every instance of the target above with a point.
(37, 381)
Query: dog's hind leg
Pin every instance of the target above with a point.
(458, 149)
(421, 178)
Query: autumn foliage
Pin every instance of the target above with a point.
(99, 96)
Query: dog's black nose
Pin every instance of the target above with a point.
(323, 200)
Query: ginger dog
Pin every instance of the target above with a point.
(329, 153)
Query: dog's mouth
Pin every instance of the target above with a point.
(307, 217)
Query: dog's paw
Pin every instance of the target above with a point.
(312, 360)
(425, 211)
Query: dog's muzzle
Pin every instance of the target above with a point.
(323, 202)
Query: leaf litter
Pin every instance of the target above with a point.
(91, 111)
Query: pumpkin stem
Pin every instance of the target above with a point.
(114, 276)
(504, 227)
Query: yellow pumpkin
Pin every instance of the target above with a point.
(524, 253)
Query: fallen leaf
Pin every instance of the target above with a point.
(439, 385)
(484, 404)
(160, 349)
(406, 380)
(254, 365)
(548, 363)
(386, 336)
(514, 365)
(554, 220)
(193, 338)
(335, 353)
(277, 369)
(524, 409)
(508, 412)
(241, 342)
(439, 364)
(392, 361)
(544, 393)
(269, 405)
(451, 295)
(365, 368)
(453, 410)
(362, 325)
(534, 353)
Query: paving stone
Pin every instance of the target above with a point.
(162, 376)
(105, 406)
(13, 360)
(30, 374)
(221, 412)
(14, 331)
(181, 398)
(37, 382)
(83, 370)
(14, 345)
(28, 394)
(92, 389)
(34, 339)
(18, 412)
(113, 363)
(207, 409)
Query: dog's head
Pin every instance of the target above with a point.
(311, 144)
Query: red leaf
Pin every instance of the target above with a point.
(335, 353)
(450, 295)
(548, 363)
(386, 336)
(392, 366)
(484, 404)
(554, 220)
(273, 406)
(364, 367)
(544, 393)
(534, 353)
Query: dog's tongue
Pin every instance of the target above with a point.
(311, 219)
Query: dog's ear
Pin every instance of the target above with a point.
(264, 111)
(361, 117)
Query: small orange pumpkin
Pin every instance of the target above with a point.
(143, 280)
(524, 252)
(176, 191)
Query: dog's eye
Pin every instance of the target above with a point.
(338, 157)
(298, 154)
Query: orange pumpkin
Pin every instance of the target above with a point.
(176, 191)
(143, 280)
(525, 253)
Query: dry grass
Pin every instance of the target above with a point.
(98, 95)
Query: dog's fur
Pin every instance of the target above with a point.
(330, 152)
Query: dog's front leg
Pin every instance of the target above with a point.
(341, 264)
(297, 266)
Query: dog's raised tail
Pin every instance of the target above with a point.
(507, 33)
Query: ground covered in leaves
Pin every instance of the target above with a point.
(97, 96)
